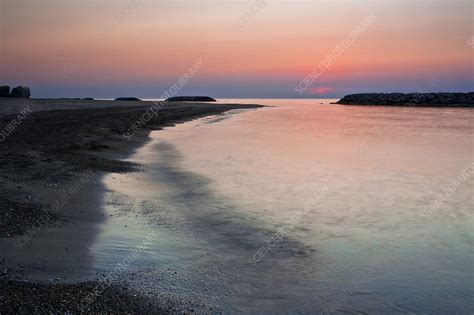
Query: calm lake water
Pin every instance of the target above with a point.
(302, 207)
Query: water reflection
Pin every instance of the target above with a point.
(217, 188)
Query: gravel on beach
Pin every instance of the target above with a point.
(18, 297)
(53, 149)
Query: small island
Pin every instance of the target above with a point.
(18, 92)
(127, 98)
(190, 99)
(410, 99)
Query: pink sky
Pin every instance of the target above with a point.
(247, 47)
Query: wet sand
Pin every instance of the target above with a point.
(50, 173)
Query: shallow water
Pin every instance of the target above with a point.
(302, 208)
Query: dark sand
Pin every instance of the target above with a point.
(51, 166)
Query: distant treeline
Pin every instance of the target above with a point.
(18, 92)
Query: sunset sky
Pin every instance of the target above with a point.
(248, 48)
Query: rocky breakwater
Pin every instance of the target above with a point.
(410, 99)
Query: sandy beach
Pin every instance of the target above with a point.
(52, 165)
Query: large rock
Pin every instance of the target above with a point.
(21, 92)
(4, 91)
(191, 99)
(410, 99)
